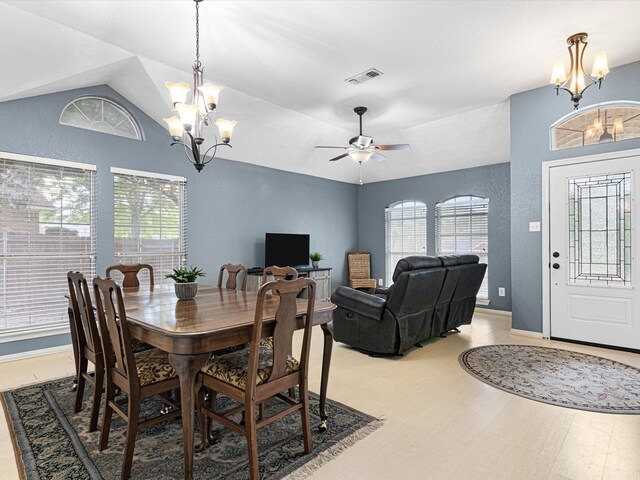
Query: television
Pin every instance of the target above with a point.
(286, 249)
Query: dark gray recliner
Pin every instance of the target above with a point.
(429, 296)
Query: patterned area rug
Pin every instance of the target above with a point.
(53, 443)
(559, 377)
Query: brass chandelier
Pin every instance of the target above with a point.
(186, 127)
(578, 79)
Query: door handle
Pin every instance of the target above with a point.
(556, 266)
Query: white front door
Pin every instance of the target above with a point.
(593, 261)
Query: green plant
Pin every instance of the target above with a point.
(315, 256)
(185, 274)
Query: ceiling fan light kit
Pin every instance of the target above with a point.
(578, 80)
(186, 127)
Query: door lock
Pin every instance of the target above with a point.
(556, 254)
(556, 266)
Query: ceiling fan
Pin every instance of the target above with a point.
(361, 148)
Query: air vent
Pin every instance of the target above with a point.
(364, 76)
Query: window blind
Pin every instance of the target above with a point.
(47, 227)
(462, 227)
(150, 219)
(405, 233)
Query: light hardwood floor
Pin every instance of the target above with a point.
(440, 423)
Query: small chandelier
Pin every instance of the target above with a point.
(578, 78)
(186, 127)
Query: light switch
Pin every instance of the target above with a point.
(501, 292)
(534, 226)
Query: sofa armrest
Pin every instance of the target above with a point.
(359, 302)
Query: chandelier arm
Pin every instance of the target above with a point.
(216, 149)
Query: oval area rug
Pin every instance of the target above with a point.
(555, 376)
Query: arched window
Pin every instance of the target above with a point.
(605, 122)
(462, 226)
(100, 115)
(405, 233)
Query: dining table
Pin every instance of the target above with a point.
(217, 318)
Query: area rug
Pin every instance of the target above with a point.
(559, 377)
(52, 442)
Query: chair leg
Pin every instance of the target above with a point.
(213, 439)
(106, 416)
(82, 368)
(97, 396)
(202, 423)
(306, 421)
(132, 430)
(252, 440)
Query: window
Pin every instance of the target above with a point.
(100, 115)
(150, 220)
(405, 233)
(462, 227)
(47, 227)
(602, 123)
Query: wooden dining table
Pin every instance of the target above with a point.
(217, 318)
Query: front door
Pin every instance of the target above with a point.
(593, 261)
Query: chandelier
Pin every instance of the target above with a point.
(578, 79)
(186, 127)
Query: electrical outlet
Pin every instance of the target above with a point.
(534, 226)
(501, 292)
(380, 282)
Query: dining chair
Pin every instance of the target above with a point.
(278, 273)
(140, 375)
(359, 264)
(130, 272)
(88, 347)
(261, 372)
(232, 276)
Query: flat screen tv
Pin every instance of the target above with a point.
(286, 249)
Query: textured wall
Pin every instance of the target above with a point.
(532, 113)
(230, 204)
(491, 181)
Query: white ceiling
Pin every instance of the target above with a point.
(449, 68)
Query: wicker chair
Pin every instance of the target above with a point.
(360, 271)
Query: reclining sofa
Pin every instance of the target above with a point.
(429, 296)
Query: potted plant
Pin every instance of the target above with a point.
(315, 259)
(186, 281)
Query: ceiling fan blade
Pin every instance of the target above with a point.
(398, 146)
(326, 146)
(339, 157)
(378, 157)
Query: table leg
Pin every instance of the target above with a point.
(188, 367)
(327, 330)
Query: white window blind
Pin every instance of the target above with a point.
(462, 227)
(150, 221)
(47, 227)
(405, 233)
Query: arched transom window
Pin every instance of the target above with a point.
(405, 233)
(605, 122)
(100, 115)
(462, 227)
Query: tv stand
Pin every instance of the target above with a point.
(322, 276)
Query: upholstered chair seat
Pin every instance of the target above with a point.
(138, 346)
(153, 366)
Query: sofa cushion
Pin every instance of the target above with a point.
(415, 263)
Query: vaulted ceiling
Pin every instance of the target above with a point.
(449, 68)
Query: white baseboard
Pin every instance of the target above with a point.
(34, 353)
(525, 333)
(502, 313)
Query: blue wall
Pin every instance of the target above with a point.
(230, 204)
(491, 181)
(532, 113)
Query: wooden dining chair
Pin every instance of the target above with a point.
(359, 264)
(260, 372)
(88, 347)
(232, 276)
(130, 272)
(278, 273)
(139, 376)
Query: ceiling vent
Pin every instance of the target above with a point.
(364, 76)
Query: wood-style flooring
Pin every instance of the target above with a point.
(440, 423)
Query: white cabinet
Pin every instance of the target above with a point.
(322, 276)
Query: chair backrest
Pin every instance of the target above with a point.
(279, 273)
(232, 276)
(359, 265)
(130, 273)
(285, 325)
(114, 329)
(83, 315)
